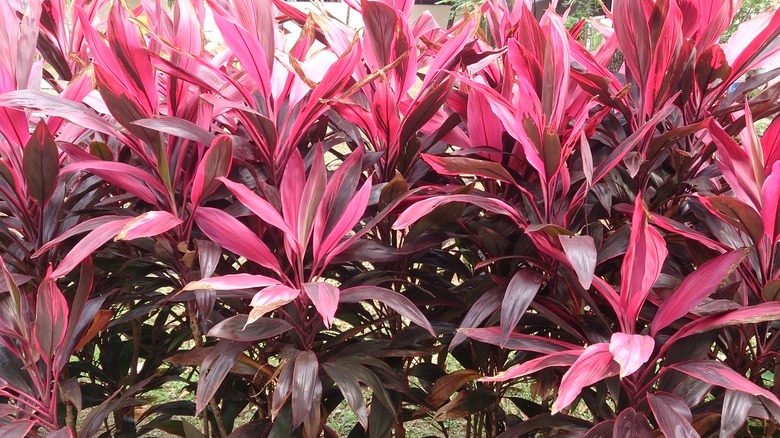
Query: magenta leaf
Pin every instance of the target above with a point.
(234, 236)
(630, 351)
(557, 359)
(215, 163)
(231, 282)
(593, 365)
(270, 299)
(89, 244)
(257, 205)
(412, 215)
(642, 265)
(700, 284)
(581, 252)
(392, 299)
(763, 312)
(672, 415)
(520, 291)
(148, 224)
(718, 374)
(469, 166)
(770, 195)
(51, 319)
(325, 298)
(517, 341)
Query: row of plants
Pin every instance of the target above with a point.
(479, 227)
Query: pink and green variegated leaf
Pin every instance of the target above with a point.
(630, 351)
(234, 236)
(718, 374)
(215, 163)
(700, 284)
(325, 298)
(672, 415)
(421, 208)
(557, 359)
(257, 205)
(232, 282)
(642, 264)
(89, 244)
(581, 252)
(519, 294)
(270, 299)
(390, 298)
(770, 195)
(593, 365)
(51, 319)
(148, 224)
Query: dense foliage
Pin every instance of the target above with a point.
(483, 227)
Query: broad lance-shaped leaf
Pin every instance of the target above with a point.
(214, 369)
(593, 365)
(306, 386)
(325, 298)
(51, 319)
(269, 299)
(470, 166)
(672, 415)
(350, 388)
(234, 236)
(231, 282)
(148, 224)
(700, 284)
(520, 291)
(257, 205)
(390, 298)
(89, 244)
(215, 163)
(630, 351)
(631, 423)
(235, 329)
(770, 195)
(517, 341)
(41, 164)
(718, 374)
(421, 208)
(642, 264)
(581, 252)
(557, 359)
(738, 214)
(736, 406)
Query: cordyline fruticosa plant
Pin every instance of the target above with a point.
(287, 216)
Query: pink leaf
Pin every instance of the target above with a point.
(91, 242)
(234, 236)
(770, 195)
(630, 351)
(461, 165)
(718, 374)
(770, 143)
(270, 299)
(148, 224)
(257, 205)
(642, 264)
(129, 178)
(557, 359)
(698, 285)
(520, 291)
(51, 319)
(581, 252)
(593, 365)
(421, 208)
(736, 166)
(214, 164)
(349, 218)
(325, 298)
(768, 311)
(232, 282)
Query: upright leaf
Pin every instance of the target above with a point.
(325, 298)
(51, 319)
(520, 291)
(41, 164)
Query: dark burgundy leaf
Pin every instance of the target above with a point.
(236, 329)
(41, 164)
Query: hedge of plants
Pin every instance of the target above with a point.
(479, 229)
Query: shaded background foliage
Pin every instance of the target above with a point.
(481, 227)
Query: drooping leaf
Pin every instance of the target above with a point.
(736, 406)
(269, 299)
(89, 244)
(593, 365)
(581, 252)
(235, 328)
(392, 299)
(718, 374)
(466, 403)
(446, 385)
(557, 359)
(736, 213)
(305, 384)
(231, 282)
(214, 369)
(520, 291)
(630, 351)
(672, 415)
(350, 389)
(463, 165)
(148, 224)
